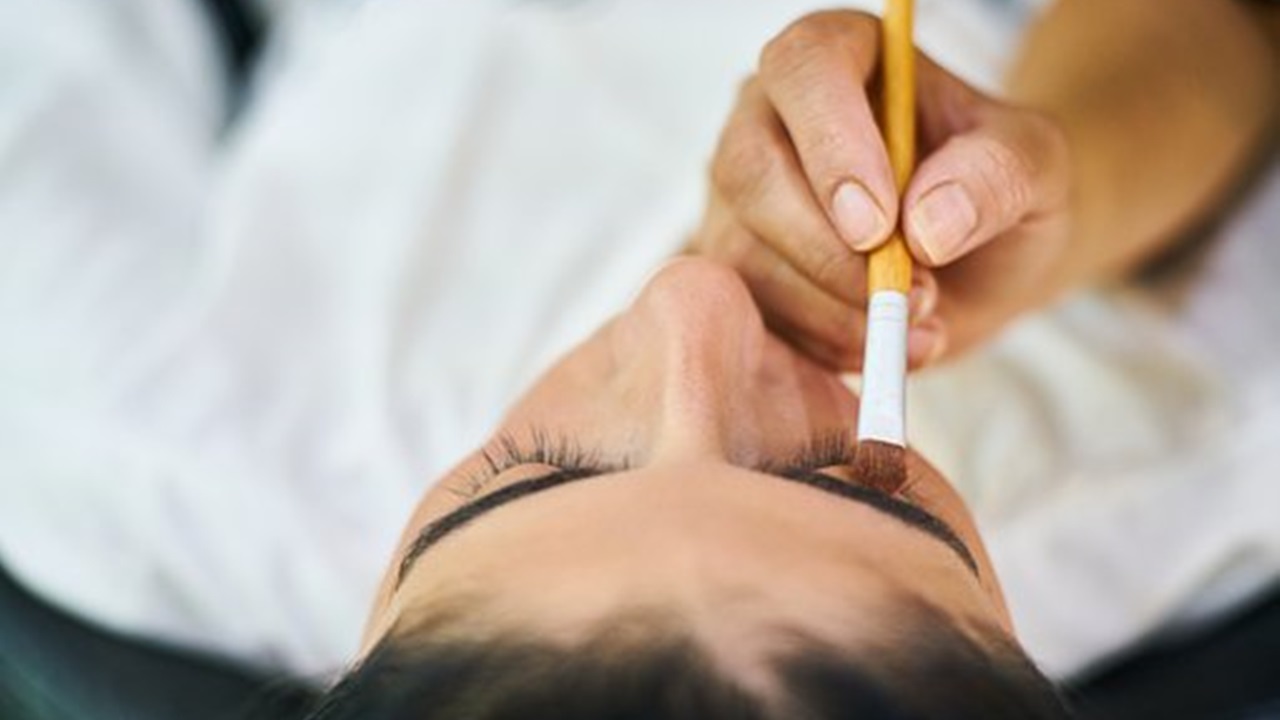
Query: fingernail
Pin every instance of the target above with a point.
(942, 220)
(858, 218)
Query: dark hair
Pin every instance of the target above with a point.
(644, 671)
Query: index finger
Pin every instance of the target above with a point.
(815, 75)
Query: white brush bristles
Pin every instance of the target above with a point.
(882, 415)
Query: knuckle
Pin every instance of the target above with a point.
(824, 143)
(827, 269)
(793, 46)
(831, 268)
(810, 36)
(1007, 182)
(742, 168)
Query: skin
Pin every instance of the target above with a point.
(689, 387)
(1014, 201)
(1089, 165)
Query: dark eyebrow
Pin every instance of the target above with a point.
(910, 515)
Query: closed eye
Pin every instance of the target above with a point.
(822, 454)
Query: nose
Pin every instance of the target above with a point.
(698, 338)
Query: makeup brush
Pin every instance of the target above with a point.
(880, 460)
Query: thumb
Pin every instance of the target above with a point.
(983, 183)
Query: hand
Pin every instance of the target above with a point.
(801, 185)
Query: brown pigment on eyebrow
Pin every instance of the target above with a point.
(881, 465)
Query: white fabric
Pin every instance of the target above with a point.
(227, 372)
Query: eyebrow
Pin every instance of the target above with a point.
(904, 512)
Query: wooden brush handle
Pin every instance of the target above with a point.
(889, 267)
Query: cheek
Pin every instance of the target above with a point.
(570, 397)
(582, 394)
(612, 416)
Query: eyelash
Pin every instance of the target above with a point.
(569, 457)
(829, 450)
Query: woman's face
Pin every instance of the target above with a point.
(684, 458)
